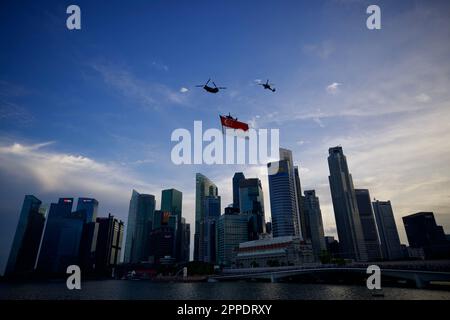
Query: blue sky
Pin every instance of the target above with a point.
(90, 112)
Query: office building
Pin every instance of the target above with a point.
(109, 245)
(62, 238)
(25, 246)
(283, 199)
(348, 223)
(300, 203)
(273, 252)
(387, 230)
(252, 204)
(313, 215)
(212, 205)
(423, 232)
(91, 207)
(140, 223)
(237, 178)
(232, 229)
(203, 188)
(368, 224)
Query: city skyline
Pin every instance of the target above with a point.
(386, 104)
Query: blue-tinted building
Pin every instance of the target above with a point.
(232, 229)
(203, 188)
(212, 205)
(283, 199)
(91, 207)
(251, 200)
(140, 223)
(237, 178)
(62, 237)
(25, 246)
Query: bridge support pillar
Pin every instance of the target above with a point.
(419, 282)
(273, 279)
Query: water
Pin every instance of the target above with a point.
(139, 290)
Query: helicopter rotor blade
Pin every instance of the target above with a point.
(214, 84)
(221, 88)
(200, 85)
(208, 81)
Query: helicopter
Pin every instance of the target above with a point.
(210, 89)
(267, 85)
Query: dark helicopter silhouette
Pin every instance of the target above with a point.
(267, 85)
(209, 89)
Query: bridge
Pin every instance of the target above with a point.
(421, 278)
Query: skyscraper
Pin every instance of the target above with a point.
(286, 154)
(315, 224)
(387, 230)
(25, 246)
(212, 206)
(232, 229)
(203, 187)
(282, 199)
(348, 223)
(140, 218)
(62, 237)
(91, 207)
(237, 178)
(369, 227)
(109, 244)
(300, 202)
(171, 201)
(252, 203)
(423, 232)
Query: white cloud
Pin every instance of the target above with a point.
(423, 97)
(333, 88)
(60, 172)
(184, 90)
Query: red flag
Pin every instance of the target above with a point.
(231, 123)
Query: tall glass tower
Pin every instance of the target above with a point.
(203, 188)
(252, 203)
(25, 246)
(91, 207)
(348, 223)
(315, 223)
(368, 224)
(282, 200)
(387, 230)
(140, 219)
(237, 178)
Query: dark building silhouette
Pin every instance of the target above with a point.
(91, 207)
(269, 227)
(387, 230)
(203, 188)
(172, 201)
(212, 205)
(423, 232)
(140, 223)
(301, 206)
(251, 200)
(369, 227)
(348, 223)
(109, 245)
(314, 227)
(62, 237)
(25, 246)
(237, 178)
(332, 247)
